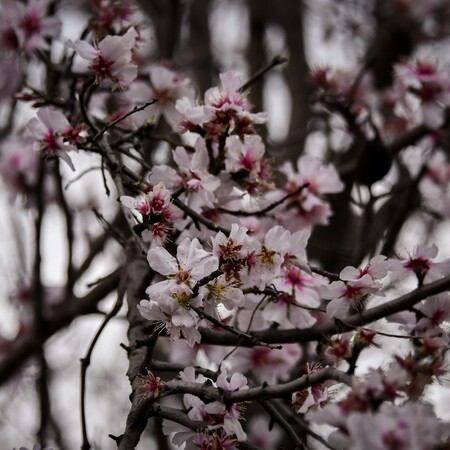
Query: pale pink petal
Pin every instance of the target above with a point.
(162, 261)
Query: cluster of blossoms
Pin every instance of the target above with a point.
(158, 214)
(223, 419)
(165, 85)
(422, 81)
(419, 95)
(238, 266)
(225, 109)
(412, 426)
(256, 275)
(354, 286)
(368, 404)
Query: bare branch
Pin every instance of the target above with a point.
(59, 317)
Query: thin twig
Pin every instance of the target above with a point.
(277, 61)
(123, 117)
(165, 366)
(69, 230)
(85, 94)
(231, 329)
(109, 228)
(80, 175)
(265, 210)
(86, 361)
(324, 273)
(197, 218)
(397, 336)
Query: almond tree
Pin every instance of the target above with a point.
(253, 289)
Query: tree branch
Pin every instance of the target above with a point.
(59, 317)
(330, 328)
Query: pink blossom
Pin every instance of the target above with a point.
(236, 383)
(111, 15)
(225, 108)
(321, 178)
(420, 264)
(49, 129)
(410, 426)
(343, 296)
(166, 86)
(435, 186)
(221, 291)
(216, 414)
(217, 440)
(232, 247)
(170, 301)
(235, 246)
(188, 375)
(167, 175)
(308, 207)
(434, 340)
(191, 264)
(151, 385)
(356, 285)
(377, 268)
(270, 256)
(111, 59)
(262, 434)
(297, 289)
(424, 81)
(195, 174)
(232, 416)
(313, 397)
(340, 348)
(245, 157)
(180, 434)
(287, 310)
(266, 364)
(193, 113)
(174, 313)
(18, 165)
(296, 253)
(158, 213)
(27, 26)
(435, 309)
(192, 173)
